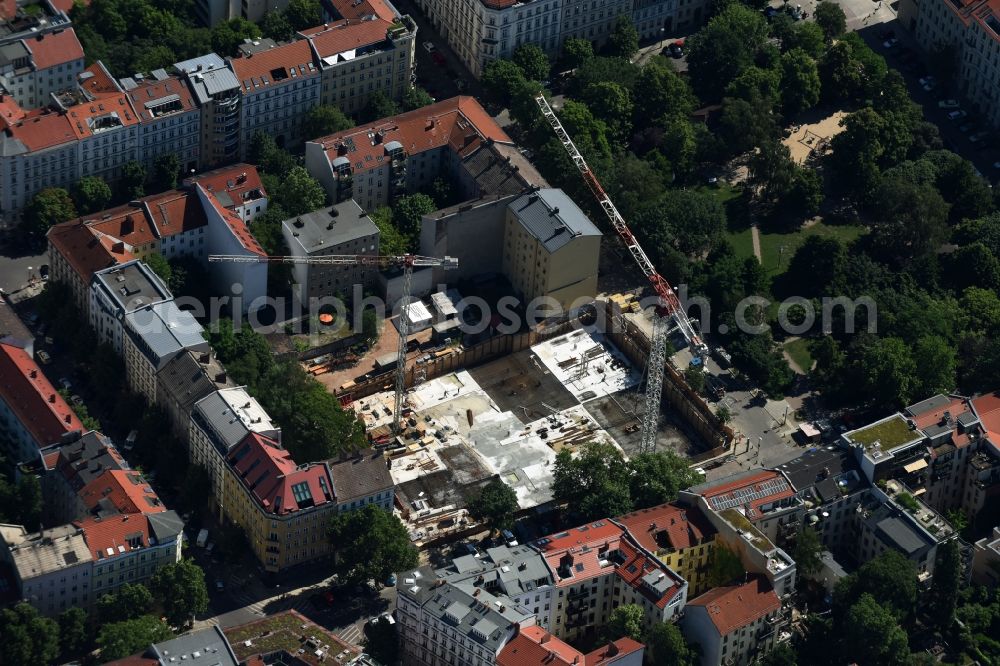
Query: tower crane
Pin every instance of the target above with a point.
(669, 306)
(406, 261)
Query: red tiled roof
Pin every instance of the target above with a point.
(682, 527)
(10, 111)
(459, 122)
(533, 645)
(54, 48)
(585, 552)
(334, 38)
(32, 398)
(115, 533)
(174, 212)
(295, 55)
(736, 606)
(86, 251)
(126, 490)
(355, 9)
(151, 90)
(66, 5)
(956, 405)
(43, 128)
(269, 473)
(613, 652)
(50, 459)
(82, 115)
(751, 492)
(97, 81)
(236, 225)
(987, 407)
(241, 182)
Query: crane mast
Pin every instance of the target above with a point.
(407, 262)
(669, 306)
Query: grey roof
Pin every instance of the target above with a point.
(207, 61)
(187, 380)
(163, 330)
(326, 228)
(11, 326)
(930, 404)
(160, 74)
(12, 52)
(207, 647)
(50, 551)
(486, 618)
(552, 217)
(88, 457)
(132, 285)
(900, 535)
(165, 526)
(365, 474)
(231, 414)
(492, 173)
(825, 469)
(518, 569)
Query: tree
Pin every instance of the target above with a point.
(121, 639)
(594, 484)
(500, 79)
(756, 85)
(326, 119)
(166, 170)
(390, 240)
(807, 36)
(47, 208)
(180, 588)
(815, 265)
(496, 505)
(21, 501)
(624, 39)
(664, 95)
(302, 14)
(808, 549)
(74, 636)
(577, 51)
(409, 210)
(889, 371)
(781, 654)
(300, 193)
(379, 106)
(627, 621)
(876, 637)
(935, 366)
(944, 585)
(28, 638)
(724, 566)
(266, 153)
(723, 414)
(723, 48)
(745, 125)
(799, 81)
(831, 18)
(91, 194)
(133, 182)
(695, 378)
(658, 477)
(909, 220)
(228, 35)
(381, 641)
(416, 98)
(890, 579)
(276, 26)
(371, 543)
(667, 646)
(612, 104)
(532, 61)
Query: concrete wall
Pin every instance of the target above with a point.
(473, 233)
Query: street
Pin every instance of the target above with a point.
(16, 270)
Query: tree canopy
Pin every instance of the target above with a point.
(496, 505)
(371, 543)
(180, 587)
(47, 208)
(121, 639)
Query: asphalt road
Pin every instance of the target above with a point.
(14, 271)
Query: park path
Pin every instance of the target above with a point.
(755, 237)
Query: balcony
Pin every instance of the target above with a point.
(577, 595)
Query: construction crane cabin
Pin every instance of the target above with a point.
(406, 261)
(669, 307)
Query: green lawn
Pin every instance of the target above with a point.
(777, 249)
(799, 351)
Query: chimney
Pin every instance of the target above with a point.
(546, 638)
(34, 374)
(52, 397)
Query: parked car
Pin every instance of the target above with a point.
(429, 47)
(44, 357)
(76, 399)
(391, 581)
(967, 127)
(219, 585)
(957, 115)
(677, 49)
(978, 137)
(65, 383)
(508, 537)
(948, 104)
(43, 270)
(890, 43)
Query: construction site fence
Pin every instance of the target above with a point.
(633, 342)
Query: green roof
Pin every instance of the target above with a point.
(889, 433)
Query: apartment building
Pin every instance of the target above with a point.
(367, 52)
(201, 647)
(237, 187)
(986, 560)
(33, 415)
(279, 86)
(681, 537)
(972, 29)
(119, 291)
(533, 646)
(219, 422)
(343, 229)
(362, 479)
(217, 92)
(12, 329)
(183, 381)
(154, 335)
(453, 623)
(39, 52)
(734, 625)
(69, 468)
(53, 568)
(551, 249)
(283, 508)
(377, 162)
(169, 119)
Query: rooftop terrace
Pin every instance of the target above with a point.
(887, 434)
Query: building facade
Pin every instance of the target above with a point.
(169, 120)
(734, 625)
(119, 291)
(154, 335)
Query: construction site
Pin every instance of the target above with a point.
(506, 418)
